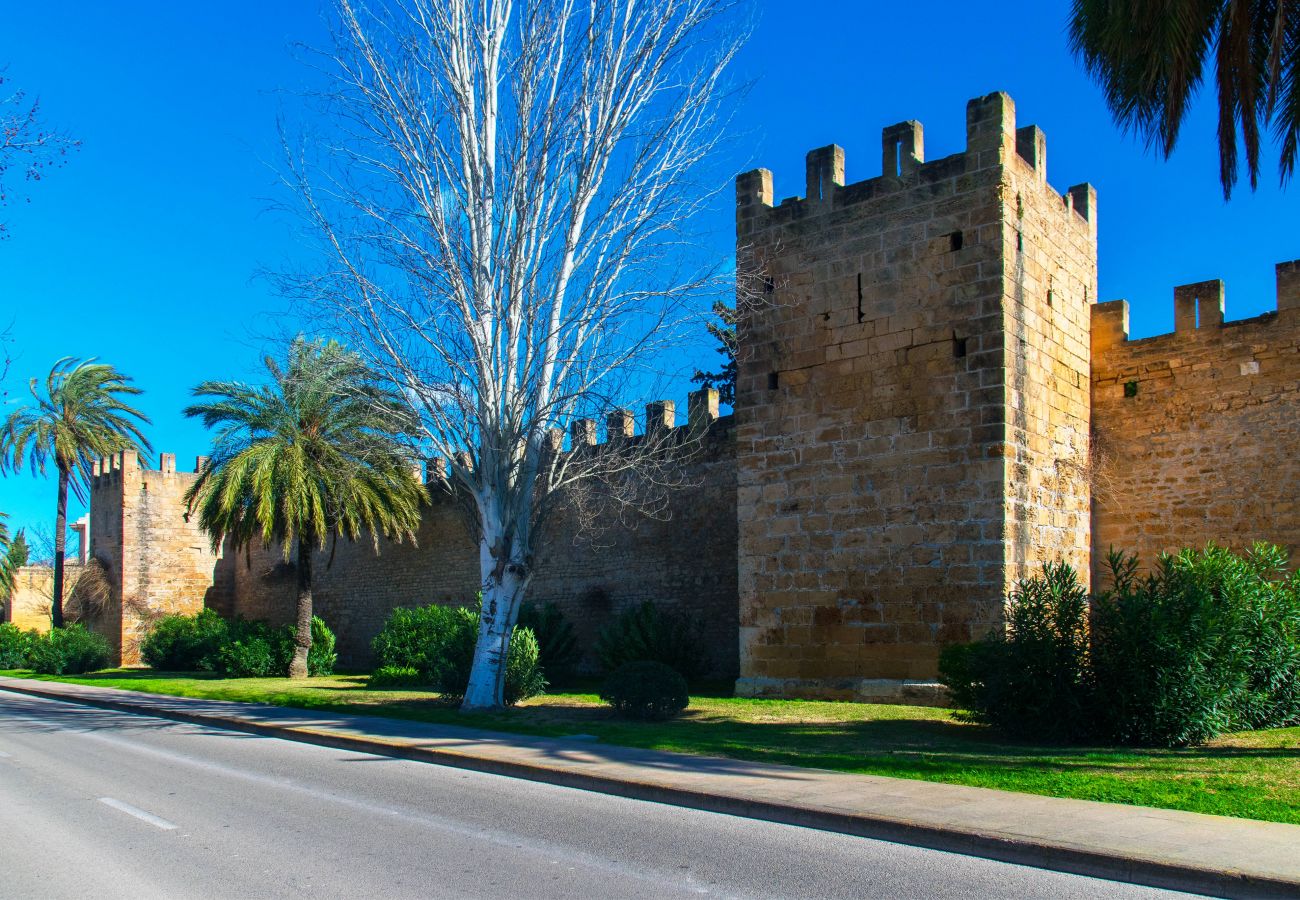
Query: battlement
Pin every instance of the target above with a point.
(1199, 311)
(703, 423)
(992, 141)
(113, 469)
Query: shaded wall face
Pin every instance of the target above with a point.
(686, 558)
(1197, 433)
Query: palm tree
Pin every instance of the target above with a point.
(78, 417)
(313, 455)
(1151, 56)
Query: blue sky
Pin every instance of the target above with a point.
(144, 250)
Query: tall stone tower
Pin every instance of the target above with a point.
(912, 405)
(153, 560)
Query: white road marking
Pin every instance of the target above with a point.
(4, 755)
(138, 813)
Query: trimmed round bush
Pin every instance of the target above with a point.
(15, 645)
(646, 690)
(71, 650)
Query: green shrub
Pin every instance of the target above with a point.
(179, 643)
(647, 633)
(555, 639)
(1032, 680)
(15, 645)
(646, 690)
(71, 650)
(321, 658)
(524, 676)
(233, 648)
(429, 640)
(252, 656)
(438, 643)
(390, 677)
(1207, 643)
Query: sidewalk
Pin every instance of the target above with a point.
(1163, 848)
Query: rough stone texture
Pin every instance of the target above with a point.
(28, 604)
(684, 557)
(1197, 431)
(155, 561)
(929, 406)
(902, 403)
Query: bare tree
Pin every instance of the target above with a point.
(28, 147)
(503, 199)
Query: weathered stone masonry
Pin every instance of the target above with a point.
(930, 404)
(904, 404)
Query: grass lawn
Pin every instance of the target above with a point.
(1252, 775)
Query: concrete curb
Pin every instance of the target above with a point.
(970, 842)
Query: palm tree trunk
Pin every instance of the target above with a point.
(302, 634)
(60, 545)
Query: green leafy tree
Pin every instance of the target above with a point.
(79, 415)
(13, 556)
(313, 455)
(1151, 57)
(724, 380)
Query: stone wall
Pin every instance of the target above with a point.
(900, 399)
(684, 556)
(1197, 432)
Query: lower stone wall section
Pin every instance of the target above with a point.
(683, 558)
(1196, 436)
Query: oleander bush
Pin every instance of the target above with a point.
(71, 650)
(648, 633)
(646, 690)
(1207, 643)
(233, 648)
(15, 646)
(1030, 681)
(178, 643)
(438, 643)
(556, 640)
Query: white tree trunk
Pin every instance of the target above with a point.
(503, 591)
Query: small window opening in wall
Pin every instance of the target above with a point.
(898, 158)
(1050, 297)
(959, 347)
(773, 380)
(769, 285)
(1020, 241)
(1130, 389)
(955, 241)
(862, 313)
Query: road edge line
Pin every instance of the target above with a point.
(967, 842)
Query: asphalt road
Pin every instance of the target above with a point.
(101, 804)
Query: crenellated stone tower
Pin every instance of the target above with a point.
(912, 405)
(154, 559)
